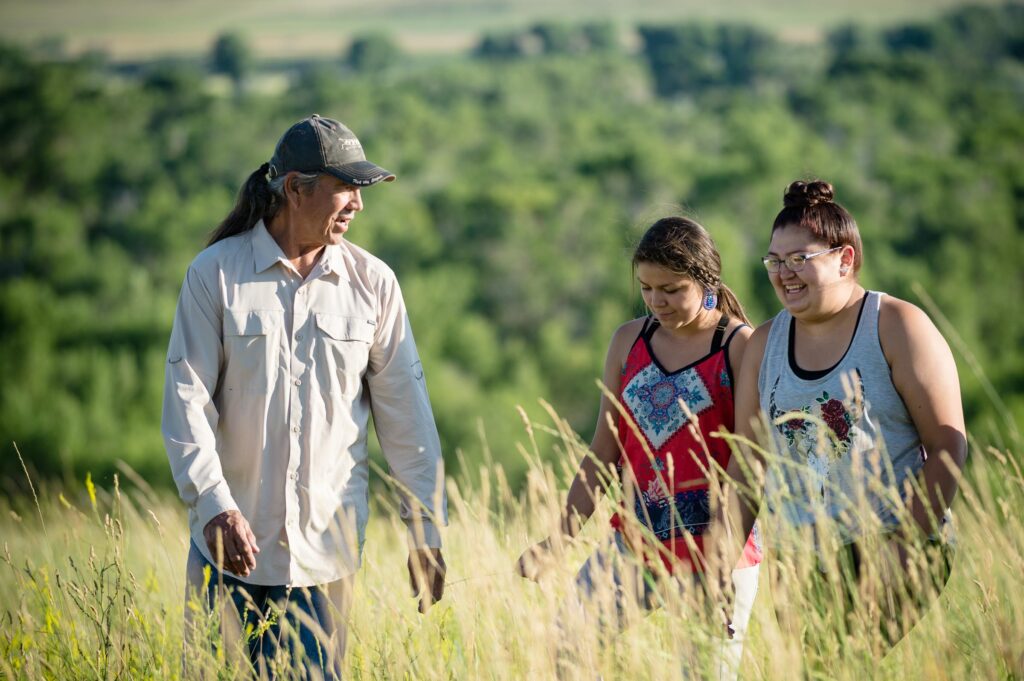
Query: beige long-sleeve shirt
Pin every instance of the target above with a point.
(270, 382)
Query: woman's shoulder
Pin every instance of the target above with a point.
(897, 317)
(750, 342)
(759, 336)
(902, 325)
(897, 310)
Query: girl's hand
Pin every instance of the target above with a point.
(535, 561)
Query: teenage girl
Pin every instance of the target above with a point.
(682, 353)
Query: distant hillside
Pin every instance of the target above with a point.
(134, 29)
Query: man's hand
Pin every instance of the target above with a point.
(231, 543)
(426, 576)
(535, 560)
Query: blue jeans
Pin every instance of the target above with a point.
(289, 631)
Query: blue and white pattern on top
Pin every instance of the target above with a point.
(653, 398)
(671, 517)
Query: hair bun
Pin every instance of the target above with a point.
(806, 194)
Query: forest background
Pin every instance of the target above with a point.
(533, 144)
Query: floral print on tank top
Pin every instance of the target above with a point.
(803, 436)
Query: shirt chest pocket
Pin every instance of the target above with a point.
(251, 339)
(345, 347)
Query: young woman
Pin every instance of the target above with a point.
(862, 403)
(667, 370)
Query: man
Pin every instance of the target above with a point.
(285, 338)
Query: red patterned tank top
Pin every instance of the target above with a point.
(667, 467)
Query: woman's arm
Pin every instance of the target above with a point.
(925, 376)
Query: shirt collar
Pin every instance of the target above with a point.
(266, 253)
(330, 263)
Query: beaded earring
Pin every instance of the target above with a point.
(710, 299)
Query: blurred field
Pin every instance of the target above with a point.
(93, 590)
(136, 30)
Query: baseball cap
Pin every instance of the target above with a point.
(323, 145)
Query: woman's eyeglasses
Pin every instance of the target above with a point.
(794, 262)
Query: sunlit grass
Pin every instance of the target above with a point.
(93, 581)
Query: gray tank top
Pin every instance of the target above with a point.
(845, 443)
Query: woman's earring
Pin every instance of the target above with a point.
(710, 299)
(843, 270)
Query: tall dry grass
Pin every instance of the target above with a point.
(93, 581)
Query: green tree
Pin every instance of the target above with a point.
(601, 36)
(559, 38)
(231, 56)
(372, 52)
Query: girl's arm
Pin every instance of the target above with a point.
(740, 496)
(588, 483)
(925, 376)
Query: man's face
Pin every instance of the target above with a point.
(325, 213)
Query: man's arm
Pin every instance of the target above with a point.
(408, 438)
(595, 468)
(189, 424)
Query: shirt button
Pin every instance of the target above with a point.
(298, 381)
(295, 429)
(298, 336)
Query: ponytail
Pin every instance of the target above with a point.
(256, 201)
(730, 304)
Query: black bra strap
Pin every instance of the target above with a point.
(650, 326)
(716, 340)
(733, 334)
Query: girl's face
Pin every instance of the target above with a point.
(675, 299)
(819, 287)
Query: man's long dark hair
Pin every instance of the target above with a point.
(256, 201)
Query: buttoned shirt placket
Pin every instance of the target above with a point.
(299, 342)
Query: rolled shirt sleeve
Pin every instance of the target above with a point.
(189, 422)
(404, 421)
